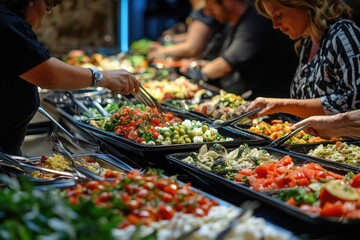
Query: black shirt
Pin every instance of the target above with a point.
(263, 59)
(19, 101)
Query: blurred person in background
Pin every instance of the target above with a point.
(27, 65)
(341, 124)
(327, 78)
(202, 32)
(254, 59)
(177, 33)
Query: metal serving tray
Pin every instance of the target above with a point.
(104, 160)
(231, 190)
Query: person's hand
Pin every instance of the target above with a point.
(155, 53)
(320, 126)
(267, 105)
(154, 46)
(120, 81)
(342, 124)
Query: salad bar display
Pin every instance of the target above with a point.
(185, 134)
(322, 193)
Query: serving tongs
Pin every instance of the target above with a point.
(11, 162)
(98, 107)
(145, 97)
(237, 119)
(79, 104)
(79, 142)
(60, 149)
(283, 139)
(247, 209)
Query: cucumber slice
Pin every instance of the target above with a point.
(342, 191)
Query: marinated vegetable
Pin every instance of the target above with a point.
(338, 152)
(277, 129)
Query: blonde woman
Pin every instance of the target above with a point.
(327, 80)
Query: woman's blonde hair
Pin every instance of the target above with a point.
(320, 12)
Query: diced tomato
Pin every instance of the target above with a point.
(332, 175)
(291, 201)
(167, 197)
(355, 181)
(309, 173)
(326, 197)
(302, 182)
(133, 219)
(314, 166)
(332, 209)
(353, 214)
(262, 170)
(285, 161)
(276, 121)
(166, 212)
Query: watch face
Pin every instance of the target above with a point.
(98, 77)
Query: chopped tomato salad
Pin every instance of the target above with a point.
(142, 198)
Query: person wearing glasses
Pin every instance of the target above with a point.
(25, 65)
(327, 78)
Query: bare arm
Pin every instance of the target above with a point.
(195, 42)
(299, 107)
(342, 124)
(56, 75)
(217, 68)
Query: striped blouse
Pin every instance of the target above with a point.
(334, 73)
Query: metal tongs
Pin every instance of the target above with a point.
(283, 139)
(11, 162)
(237, 119)
(59, 148)
(79, 142)
(145, 97)
(247, 209)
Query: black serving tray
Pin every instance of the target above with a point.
(156, 153)
(231, 190)
(305, 148)
(279, 116)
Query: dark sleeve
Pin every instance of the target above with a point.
(249, 40)
(20, 48)
(200, 15)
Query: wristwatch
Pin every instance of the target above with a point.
(97, 77)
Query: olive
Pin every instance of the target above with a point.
(191, 133)
(167, 134)
(204, 128)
